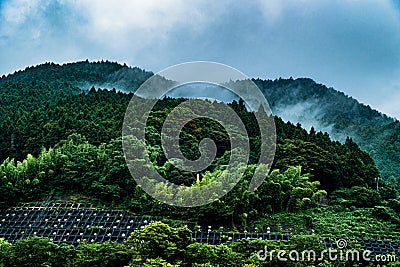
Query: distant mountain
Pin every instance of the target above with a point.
(84, 74)
(314, 105)
(296, 100)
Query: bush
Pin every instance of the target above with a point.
(356, 196)
(394, 204)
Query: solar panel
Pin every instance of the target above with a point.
(74, 222)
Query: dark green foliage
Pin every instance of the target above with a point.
(39, 251)
(98, 117)
(108, 254)
(39, 86)
(83, 74)
(382, 213)
(60, 140)
(356, 196)
(394, 204)
(159, 240)
(83, 156)
(215, 255)
(333, 164)
(43, 87)
(344, 116)
(165, 246)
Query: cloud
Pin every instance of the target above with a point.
(137, 21)
(16, 12)
(350, 45)
(119, 30)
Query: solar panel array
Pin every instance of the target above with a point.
(68, 223)
(216, 238)
(72, 223)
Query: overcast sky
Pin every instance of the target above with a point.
(353, 46)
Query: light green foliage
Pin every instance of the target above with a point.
(58, 140)
(158, 262)
(222, 255)
(159, 240)
(4, 252)
(370, 223)
(39, 251)
(356, 196)
(102, 254)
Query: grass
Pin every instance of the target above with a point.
(334, 221)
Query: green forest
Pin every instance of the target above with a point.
(61, 138)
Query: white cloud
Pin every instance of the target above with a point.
(116, 30)
(16, 12)
(271, 9)
(140, 22)
(350, 45)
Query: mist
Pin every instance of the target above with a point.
(204, 91)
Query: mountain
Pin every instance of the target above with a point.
(83, 74)
(73, 146)
(296, 100)
(314, 105)
(60, 140)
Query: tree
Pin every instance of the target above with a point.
(159, 240)
(204, 254)
(38, 251)
(102, 254)
(5, 248)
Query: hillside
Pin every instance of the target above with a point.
(61, 142)
(52, 108)
(296, 100)
(328, 110)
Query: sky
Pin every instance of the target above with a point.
(350, 45)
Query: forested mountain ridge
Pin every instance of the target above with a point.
(83, 75)
(74, 146)
(296, 100)
(314, 105)
(61, 140)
